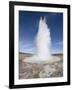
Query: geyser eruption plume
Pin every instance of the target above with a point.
(43, 40)
(43, 44)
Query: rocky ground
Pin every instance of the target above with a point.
(43, 70)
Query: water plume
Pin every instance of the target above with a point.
(43, 45)
(43, 40)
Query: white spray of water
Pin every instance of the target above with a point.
(43, 45)
(43, 40)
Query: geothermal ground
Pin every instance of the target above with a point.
(42, 70)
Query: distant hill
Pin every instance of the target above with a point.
(26, 53)
(23, 55)
(57, 54)
(33, 54)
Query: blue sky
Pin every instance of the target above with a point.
(28, 28)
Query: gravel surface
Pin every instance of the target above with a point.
(35, 70)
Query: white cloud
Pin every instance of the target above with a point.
(27, 45)
(59, 43)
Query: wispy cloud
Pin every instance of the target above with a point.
(27, 47)
(57, 47)
(59, 43)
